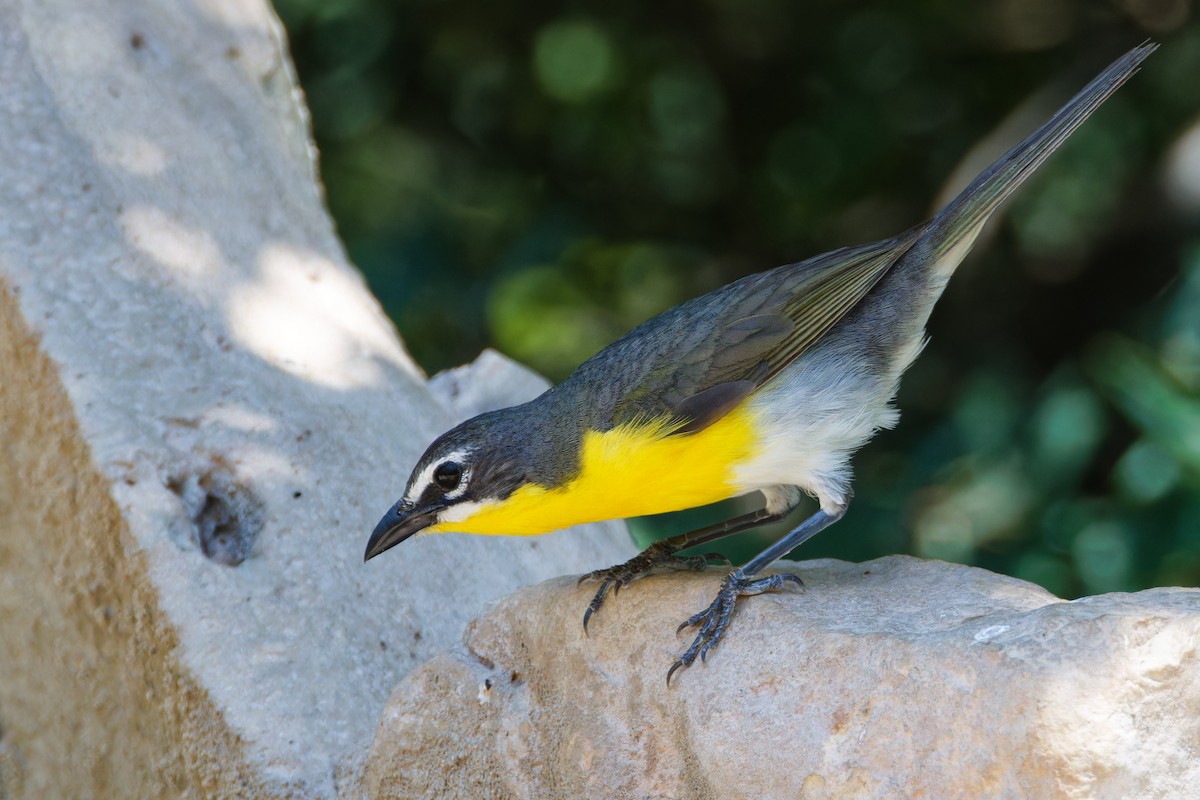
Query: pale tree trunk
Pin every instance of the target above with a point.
(202, 414)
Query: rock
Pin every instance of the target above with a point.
(203, 413)
(489, 382)
(896, 678)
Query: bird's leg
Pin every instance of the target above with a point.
(714, 620)
(662, 557)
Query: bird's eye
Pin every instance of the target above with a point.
(448, 475)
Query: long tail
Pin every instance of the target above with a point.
(952, 231)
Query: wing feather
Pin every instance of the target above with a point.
(701, 359)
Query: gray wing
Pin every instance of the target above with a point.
(698, 360)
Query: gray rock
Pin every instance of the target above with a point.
(489, 382)
(896, 678)
(203, 413)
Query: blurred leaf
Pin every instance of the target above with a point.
(574, 60)
(1138, 385)
(1147, 471)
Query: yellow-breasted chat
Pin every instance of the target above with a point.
(769, 385)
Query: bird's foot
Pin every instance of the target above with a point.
(658, 557)
(714, 620)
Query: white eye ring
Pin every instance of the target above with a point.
(425, 478)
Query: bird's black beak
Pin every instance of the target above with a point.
(399, 523)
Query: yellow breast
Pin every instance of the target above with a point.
(631, 470)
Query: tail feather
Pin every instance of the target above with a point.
(951, 233)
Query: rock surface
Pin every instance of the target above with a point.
(897, 678)
(203, 413)
(489, 382)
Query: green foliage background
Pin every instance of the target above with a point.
(540, 177)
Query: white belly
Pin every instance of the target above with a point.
(813, 416)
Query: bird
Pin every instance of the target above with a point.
(769, 384)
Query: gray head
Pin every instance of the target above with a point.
(475, 464)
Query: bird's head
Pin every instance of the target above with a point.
(471, 468)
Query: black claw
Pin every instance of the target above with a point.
(658, 557)
(594, 606)
(715, 619)
(676, 666)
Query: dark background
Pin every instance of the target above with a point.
(540, 177)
